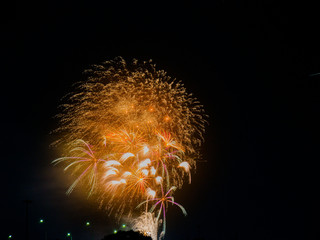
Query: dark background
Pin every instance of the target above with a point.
(249, 62)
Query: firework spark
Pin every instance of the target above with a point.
(140, 133)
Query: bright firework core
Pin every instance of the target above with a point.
(131, 136)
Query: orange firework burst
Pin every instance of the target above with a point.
(145, 130)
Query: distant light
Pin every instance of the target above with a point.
(123, 225)
(87, 223)
(68, 234)
(41, 221)
(115, 231)
(10, 236)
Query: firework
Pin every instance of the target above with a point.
(84, 163)
(162, 203)
(147, 225)
(129, 132)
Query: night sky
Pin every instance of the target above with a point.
(250, 63)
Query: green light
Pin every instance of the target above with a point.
(68, 234)
(115, 231)
(87, 223)
(10, 236)
(123, 225)
(41, 221)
